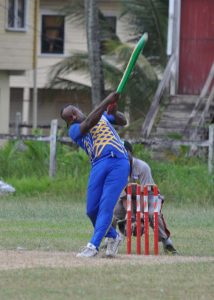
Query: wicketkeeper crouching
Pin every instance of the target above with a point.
(141, 174)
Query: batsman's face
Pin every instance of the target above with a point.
(72, 114)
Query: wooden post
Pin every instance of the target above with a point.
(153, 110)
(53, 133)
(17, 124)
(211, 149)
(25, 109)
(201, 97)
(35, 46)
(171, 16)
(173, 83)
(176, 40)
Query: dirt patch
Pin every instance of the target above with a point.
(34, 259)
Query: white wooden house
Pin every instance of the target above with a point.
(16, 49)
(55, 38)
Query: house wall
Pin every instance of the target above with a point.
(113, 8)
(16, 47)
(49, 101)
(55, 100)
(75, 40)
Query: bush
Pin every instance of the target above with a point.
(25, 165)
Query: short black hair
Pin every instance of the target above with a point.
(62, 109)
(128, 146)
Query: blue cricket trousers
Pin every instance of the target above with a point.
(107, 179)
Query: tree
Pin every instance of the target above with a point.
(84, 12)
(94, 51)
(142, 84)
(150, 16)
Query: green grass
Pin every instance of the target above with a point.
(60, 224)
(185, 281)
(49, 214)
(44, 223)
(46, 186)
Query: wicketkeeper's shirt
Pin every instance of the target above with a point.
(141, 172)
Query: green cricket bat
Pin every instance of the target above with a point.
(132, 61)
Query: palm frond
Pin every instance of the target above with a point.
(149, 16)
(74, 11)
(140, 87)
(77, 61)
(66, 84)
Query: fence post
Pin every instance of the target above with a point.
(211, 149)
(53, 133)
(17, 124)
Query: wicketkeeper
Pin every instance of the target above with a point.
(141, 174)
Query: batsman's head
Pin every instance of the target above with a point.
(71, 114)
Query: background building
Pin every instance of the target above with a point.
(35, 35)
(16, 49)
(56, 38)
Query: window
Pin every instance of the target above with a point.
(52, 38)
(108, 31)
(16, 14)
(109, 27)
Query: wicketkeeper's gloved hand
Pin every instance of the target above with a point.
(134, 229)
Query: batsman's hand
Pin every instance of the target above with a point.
(112, 98)
(112, 108)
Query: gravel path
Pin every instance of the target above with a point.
(34, 259)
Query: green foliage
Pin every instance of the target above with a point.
(25, 165)
(142, 153)
(22, 159)
(181, 180)
(174, 135)
(150, 16)
(185, 183)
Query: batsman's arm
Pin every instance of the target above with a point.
(94, 117)
(119, 118)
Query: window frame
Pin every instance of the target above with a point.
(54, 14)
(15, 27)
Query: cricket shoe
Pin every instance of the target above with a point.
(113, 246)
(89, 251)
(105, 243)
(169, 249)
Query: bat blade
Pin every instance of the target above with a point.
(132, 61)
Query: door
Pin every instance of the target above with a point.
(196, 44)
